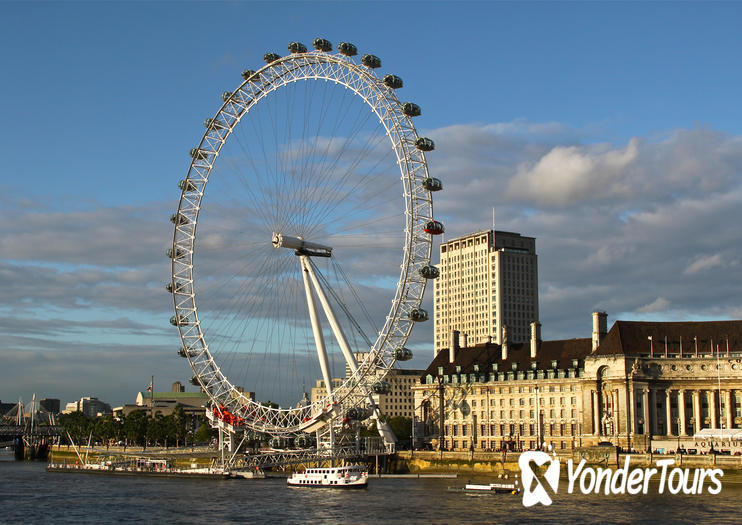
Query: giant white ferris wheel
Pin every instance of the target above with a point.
(287, 270)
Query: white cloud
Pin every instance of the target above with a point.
(658, 305)
(703, 263)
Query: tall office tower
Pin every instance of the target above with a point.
(488, 280)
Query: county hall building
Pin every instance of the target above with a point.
(639, 385)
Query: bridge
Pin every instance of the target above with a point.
(32, 434)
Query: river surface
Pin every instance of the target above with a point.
(28, 494)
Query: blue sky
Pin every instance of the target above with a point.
(610, 131)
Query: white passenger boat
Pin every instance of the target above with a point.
(355, 476)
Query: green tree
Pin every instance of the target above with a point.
(135, 428)
(77, 424)
(106, 429)
(402, 428)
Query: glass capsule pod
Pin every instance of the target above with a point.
(430, 272)
(177, 288)
(211, 123)
(182, 321)
(249, 74)
(226, 95)
(347, 49)
(434, 228)
(174, 254)
(302, 441)
(381, 387)
(178, 219)
(182, 352)
(194, 381)
(403, 354)
(424, 144)
(392, 81)
(271, 57)
(297, 47)
(418, 315)
(432, 184)
(320, 44)
(411, 109)
(197, 154)
(371, 61)
(187, 185)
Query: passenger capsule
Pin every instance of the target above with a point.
(418, 315)
(211, 123)
(303, 441)
(226, 95)
(182, 352)
(434, 228)
(270, 57)
(187, 185)
(424, 144)
(381, 387)
(429, 272)
(195, 381)
(178, 288)
(403, 354)
(371, 61)
(392, 81)
(432, 184)
(178, 219)
(320, 44)
(347, 49)
(182, 321)
(251, 75)
(411, 109)
(197, 154)
(175, 254)
(297, 47)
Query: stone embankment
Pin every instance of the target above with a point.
(499, 464)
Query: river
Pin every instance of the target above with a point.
(28, 494)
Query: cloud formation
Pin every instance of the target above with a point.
(643, 228)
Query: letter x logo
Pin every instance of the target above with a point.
(534, 483)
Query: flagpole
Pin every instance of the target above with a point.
(152, 399)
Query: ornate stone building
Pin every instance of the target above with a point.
(639, 385)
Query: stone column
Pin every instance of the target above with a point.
(614, 411)
(681, 412)
(712, 408)
(653, 414)
(668, 413)
(696, 411)
(645, 406)
(632, 408)
(596, 415)
(729, 396)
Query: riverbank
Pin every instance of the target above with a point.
(499, 464)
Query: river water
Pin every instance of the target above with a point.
(28, 494)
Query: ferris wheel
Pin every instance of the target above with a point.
(286, 271)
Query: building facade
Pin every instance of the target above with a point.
(90, 406)
(640, 386)
(488, 280)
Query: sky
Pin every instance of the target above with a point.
(611, 132)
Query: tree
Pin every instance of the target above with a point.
(402, 428)
(106, 429)
(135, 427)
(77, 424)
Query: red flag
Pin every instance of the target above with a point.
(149, 388)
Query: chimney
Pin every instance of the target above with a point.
(535, 337)
(453, 346)
(600, 324)
(464, 340)
(504, 344)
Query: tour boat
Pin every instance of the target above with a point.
(491, 488)
(355, 476)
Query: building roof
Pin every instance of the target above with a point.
(173, 395)
(632, 337)
(485, 354)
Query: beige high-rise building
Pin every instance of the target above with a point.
(488, 285)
